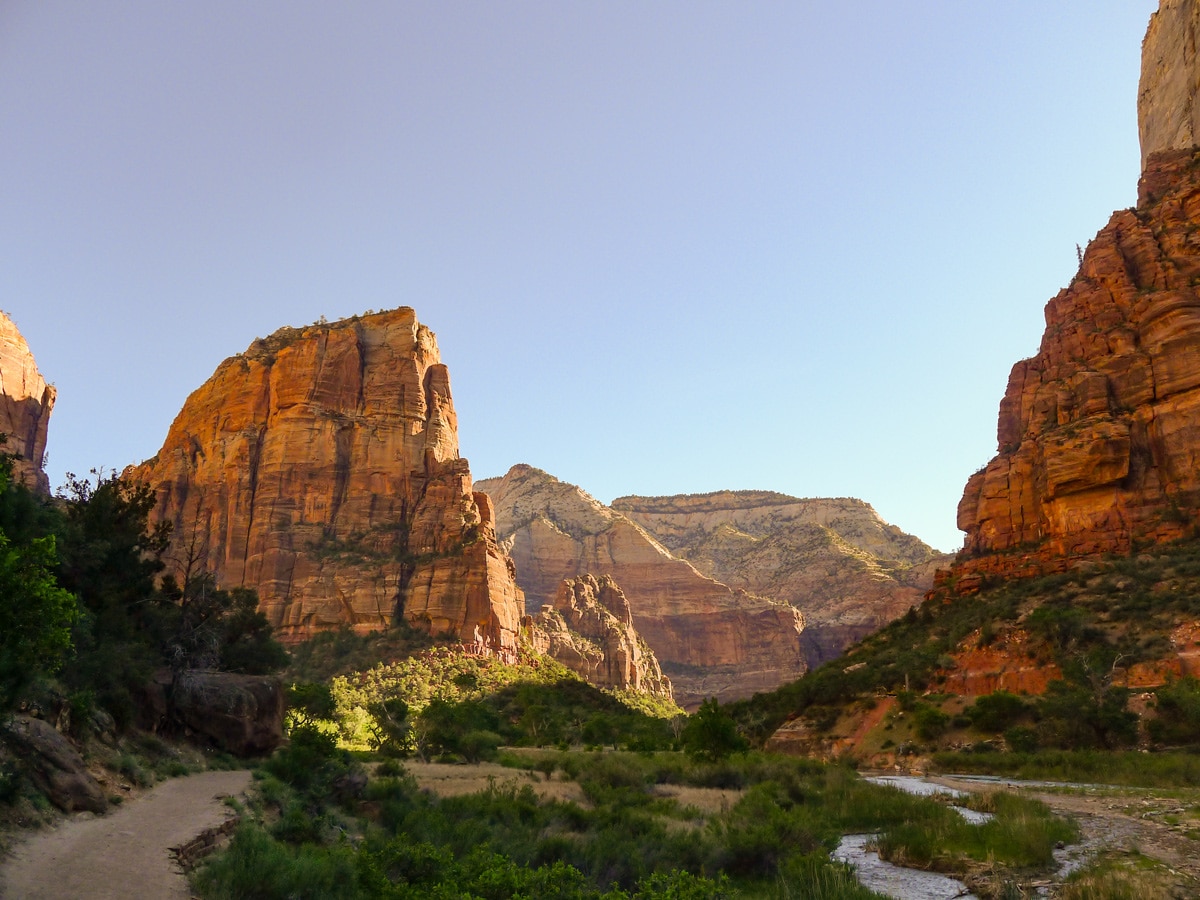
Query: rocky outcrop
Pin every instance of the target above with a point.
(590, 630)
(25, 404)
(55, 765)
(240, 714)
(1168, 115)
(321, 469)
(835, 559)
(1100, 432)
(712, 640)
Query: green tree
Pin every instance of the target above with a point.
(710, 733)
(35, 617)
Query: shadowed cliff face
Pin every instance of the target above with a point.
(710, 639)
(321, 468)
(25, 404)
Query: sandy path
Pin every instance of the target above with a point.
(124, 854)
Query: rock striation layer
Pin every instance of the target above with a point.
(1100, 432)
(835, 559)
(321, 469)
(711, 639)
(25, 404)
(590, 630)
(1168, 115)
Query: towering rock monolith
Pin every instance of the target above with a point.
(25, 404)
(1099, 434)
(321, 468)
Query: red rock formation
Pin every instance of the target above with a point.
(1100, 432)
(710, 639)
(835, 559)
(25, 404)
(321, 468)
(590, 630)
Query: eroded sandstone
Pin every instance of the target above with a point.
(710, 639)
(25, 404)
(836, 559)
(590, 630)
(321, 469)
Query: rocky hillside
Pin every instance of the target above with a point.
(321, 469)
(589, 629)
(835, 559)
(711, 639)
(25, 404)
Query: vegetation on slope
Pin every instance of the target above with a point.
(1094, 623)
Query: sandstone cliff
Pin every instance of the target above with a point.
(590, 630)
(1099, 433)
(321, 468)
(1168, 116)
(25, 404)
(710, 639)
(835, 559)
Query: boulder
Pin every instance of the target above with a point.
(241, 714)
(55, 765)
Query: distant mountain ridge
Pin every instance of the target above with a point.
(709, 638)
(835, 559)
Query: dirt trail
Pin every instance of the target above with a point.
(124, 854)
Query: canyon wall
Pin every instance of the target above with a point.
(710, 639)
(1099, 434)
(321, 469)
(25, 404)
(836, 559)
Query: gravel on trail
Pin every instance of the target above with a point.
(125, 854)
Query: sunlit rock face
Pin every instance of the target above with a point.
(710, 639)
(590, 630)
(321, 468)
(834, 558)
(1168, 116)
(1099, 434)
(25, 404)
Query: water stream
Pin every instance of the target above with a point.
(896, 881)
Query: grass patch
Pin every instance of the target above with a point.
(1130, 768)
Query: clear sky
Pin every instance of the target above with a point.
(670, 246)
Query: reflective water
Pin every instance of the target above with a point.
(896, 881)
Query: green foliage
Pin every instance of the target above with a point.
(998, 711)
(931, 722)
(711, 733)
(1166, 770)
(1178, 713)
(534, 702)
(35, 617)
(1074, 717)
(309, 701)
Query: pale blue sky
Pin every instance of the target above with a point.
(666, 246)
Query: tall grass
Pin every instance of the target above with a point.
(1167, 770)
